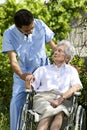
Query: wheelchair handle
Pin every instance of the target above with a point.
(29, 90)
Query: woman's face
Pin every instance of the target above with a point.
(59, 54)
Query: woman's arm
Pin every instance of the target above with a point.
(69, 93)
(73, 89)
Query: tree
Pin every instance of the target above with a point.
(65, 14)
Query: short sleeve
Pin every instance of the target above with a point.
(49, 34)
(6, 42)
(75, 78)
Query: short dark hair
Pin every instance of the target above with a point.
(23, 17)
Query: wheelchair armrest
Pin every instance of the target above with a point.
(77, 94)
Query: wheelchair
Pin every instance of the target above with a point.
(76, 120)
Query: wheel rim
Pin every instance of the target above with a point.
(80, 119)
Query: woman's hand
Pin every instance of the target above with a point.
(57, 102)
(30, 77)
(29, 80)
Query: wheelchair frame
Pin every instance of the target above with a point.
(76, 120)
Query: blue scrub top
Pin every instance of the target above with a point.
(30, 50)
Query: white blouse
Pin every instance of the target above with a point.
(51, 77)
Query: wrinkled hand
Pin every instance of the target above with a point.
(29, 80)
(57, 102)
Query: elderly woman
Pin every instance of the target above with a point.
(54, 85)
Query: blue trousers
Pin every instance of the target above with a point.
(16, 105)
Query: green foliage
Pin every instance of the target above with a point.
(7, 12)
(4, 122)
(5, 83)
(5, 91)
(63, 14)
(79, 62)
(83, 77)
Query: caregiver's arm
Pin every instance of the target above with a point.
(15, 66)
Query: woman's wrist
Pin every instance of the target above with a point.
(63, 97)
(60, 100)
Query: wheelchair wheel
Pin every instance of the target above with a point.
(26, 119)
(80, 123)
(31, 125)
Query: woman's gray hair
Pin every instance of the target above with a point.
(70, 50)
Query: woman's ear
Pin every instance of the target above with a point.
(67, 59)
